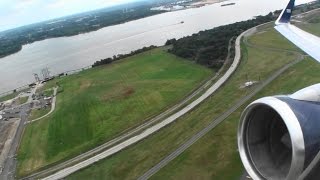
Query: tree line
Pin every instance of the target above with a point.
(13, 40)
(210, 47)
(122, 56)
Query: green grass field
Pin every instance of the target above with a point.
(271, 38)
(220, 157)
(98, 104)
(48, 92)
(12, 95)
(8, 97)
(213, 157)
(36, 113)
(22, 100)
(311, 23)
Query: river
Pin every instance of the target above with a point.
(68, 53)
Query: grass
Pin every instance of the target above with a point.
(271, 38)
(311, 23)
(97, 105)
(8, 97)
(22, 100)
(12, 95)
(37, 113)
(47, 89)
(313, 28)
(212, 157)
(48, 92)
(217, 157)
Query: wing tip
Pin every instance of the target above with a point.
(286, 13)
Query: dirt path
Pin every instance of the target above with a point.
(8, 130)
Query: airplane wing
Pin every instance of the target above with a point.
(309, 43)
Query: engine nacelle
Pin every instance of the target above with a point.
(279, 137)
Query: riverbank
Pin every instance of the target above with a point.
(67, 53)
(71, 25)
(259, 65)
(81, 24)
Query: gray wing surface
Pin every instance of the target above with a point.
(309, 43)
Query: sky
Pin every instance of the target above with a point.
(15, 13)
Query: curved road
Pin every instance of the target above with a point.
(149, 131)
(215, 123)
(129, 133)
(67, 171)
(225, 115)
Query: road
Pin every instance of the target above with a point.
(131, 132)
(214, 123)
(66, 168)
(80, 161)
(113, 142)
(69, 170)
(225, 115)
(8, 171)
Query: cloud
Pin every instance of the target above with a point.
(57, 4)
(25, 4)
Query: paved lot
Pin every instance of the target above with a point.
(8, 170)
(20, 112)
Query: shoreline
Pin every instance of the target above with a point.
(200, 4)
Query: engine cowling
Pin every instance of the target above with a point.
(279, 137)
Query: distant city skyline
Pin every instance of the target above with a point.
(16, 13)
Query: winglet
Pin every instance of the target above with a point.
(285, 15)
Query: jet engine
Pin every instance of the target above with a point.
(279, 136)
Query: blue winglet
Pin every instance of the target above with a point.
(286, 13)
